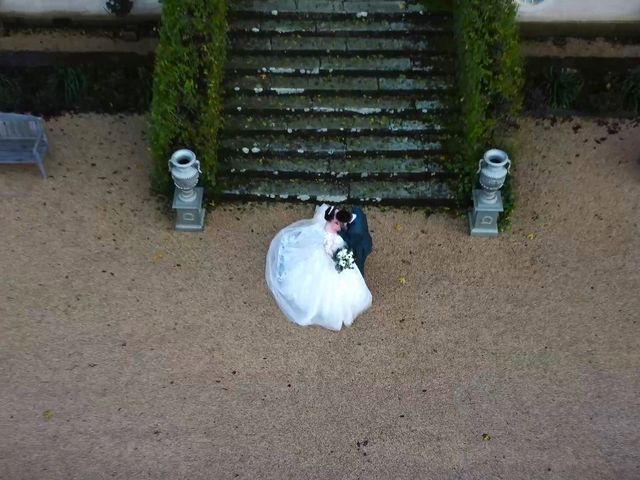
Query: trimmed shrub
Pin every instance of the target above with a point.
(490, 83)
(186, 103)
(490, 79)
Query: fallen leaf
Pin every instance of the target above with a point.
(47, 415)
(158, 255)
(398, 227)
(531, 236)
(486, 437)
(403, 281)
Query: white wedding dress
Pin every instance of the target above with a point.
(302, 276)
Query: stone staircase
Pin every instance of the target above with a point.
(338, 101)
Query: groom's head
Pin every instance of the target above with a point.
(343, 215)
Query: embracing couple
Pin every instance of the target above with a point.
(315, 268)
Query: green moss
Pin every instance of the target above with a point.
(189, 69)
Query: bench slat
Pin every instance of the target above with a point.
(31, 140)
(19, 159)
(19, 129)
(17, 148)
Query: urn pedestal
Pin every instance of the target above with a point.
(187, 198)
(483, 219)
(190, 214)
(493, 168)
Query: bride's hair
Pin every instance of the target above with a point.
(342, 215)
(330, 213)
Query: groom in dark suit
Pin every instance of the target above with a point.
(355, 233)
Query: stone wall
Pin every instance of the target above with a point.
(530, 11)
(579, 11)
(77, 10)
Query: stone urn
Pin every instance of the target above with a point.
(187, 198)
(493, 168)
(185, 171)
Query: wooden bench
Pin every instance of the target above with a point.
(23, 140)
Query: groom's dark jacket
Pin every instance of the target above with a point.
(358, 238)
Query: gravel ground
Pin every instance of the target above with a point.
(129, 350)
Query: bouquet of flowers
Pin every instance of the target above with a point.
(344, 259)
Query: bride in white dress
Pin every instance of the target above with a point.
(302, 276)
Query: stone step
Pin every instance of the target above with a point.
(360, 9)
(385, 166)
(421, 192)
(329, 122)
(331, 103)
(319, 144)
(273, 166)
(337, 101)
(323, 65)
(360, 25)
(365, 167)
(424, 192)
(325, 44)
(292, 85)
(286, 189)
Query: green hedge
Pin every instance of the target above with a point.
(186, 103)
(490, 80)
